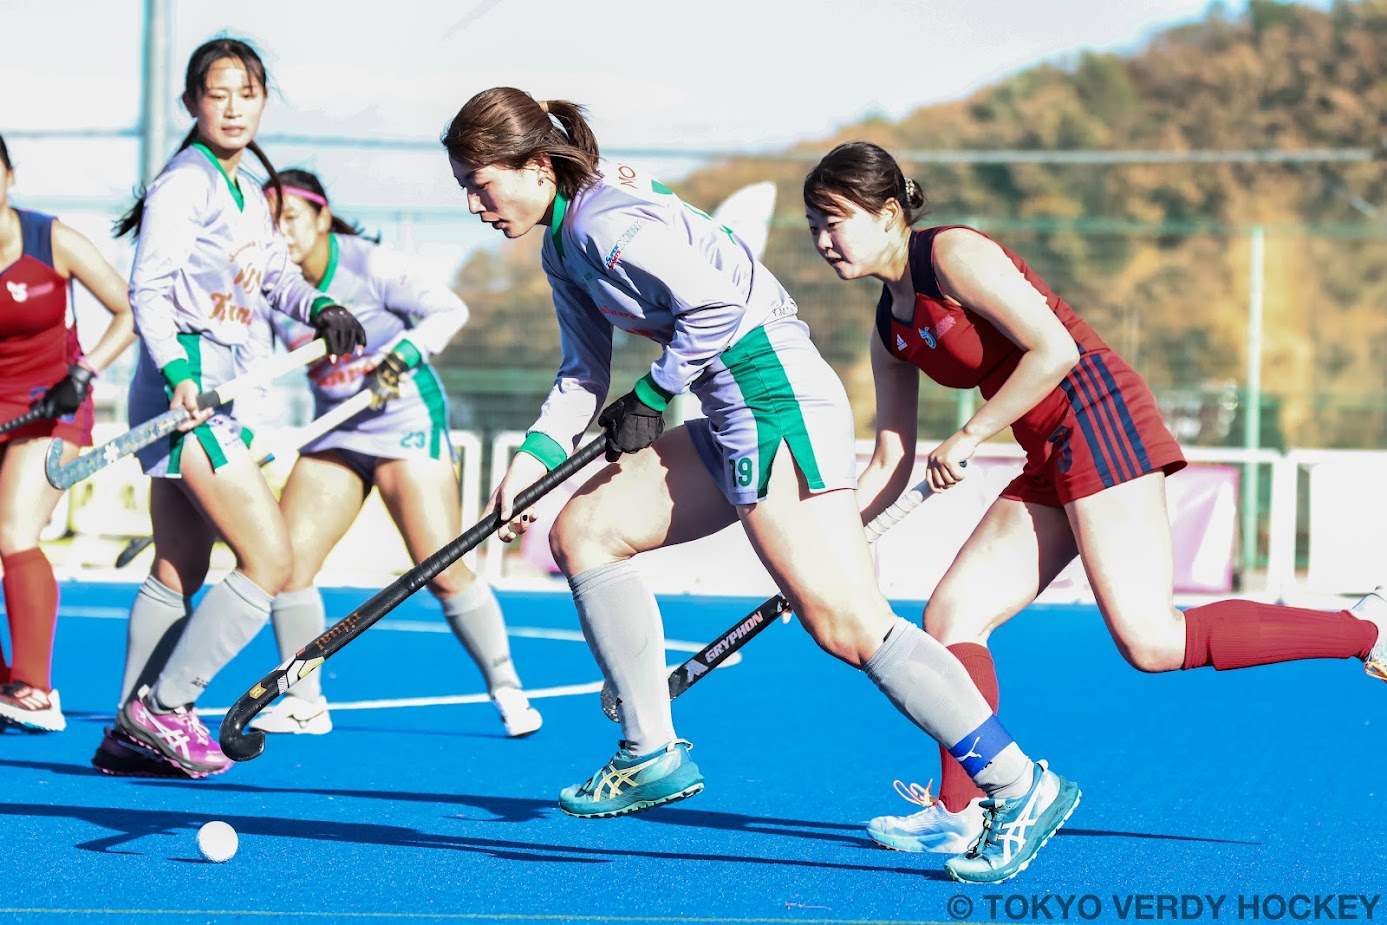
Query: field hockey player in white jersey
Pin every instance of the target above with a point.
(208, 255)
(775, 452)
(400, 446)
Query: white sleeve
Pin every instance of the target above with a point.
(168, 235)
(435, 313)
(585, 371)
(706, 304)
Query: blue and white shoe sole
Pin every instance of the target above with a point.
(637, 806)
(1078, 795)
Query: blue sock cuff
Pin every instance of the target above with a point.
(976, 750)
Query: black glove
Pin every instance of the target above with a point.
(340, 329)
(631, 425)
(385, 381)
(67, 394)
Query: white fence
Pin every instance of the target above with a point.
(1331, 506)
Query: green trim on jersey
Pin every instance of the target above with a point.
(333, 252)
(650, 392)
(176, 371)
(544, 448)
(431, 391)
(411, 354)
(770, 397)
(192, 345)
(556, 221)
(233, 185)
(320, 303)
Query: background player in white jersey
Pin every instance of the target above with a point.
(775, 452)
(208, 256)
(401, 447)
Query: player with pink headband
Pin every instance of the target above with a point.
(400, 446)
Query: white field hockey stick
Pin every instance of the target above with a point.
(747, 628)
(137, 438)
(295, 439)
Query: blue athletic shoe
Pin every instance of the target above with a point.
(1014, 831)
(630, 783)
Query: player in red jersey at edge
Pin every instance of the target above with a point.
(971, 314)
(42, 369)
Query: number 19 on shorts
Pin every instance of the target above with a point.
(743, 471)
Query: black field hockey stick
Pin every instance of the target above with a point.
(137, 438)
(304, 435)
(24, 420)
(749, 627)
(242, 746)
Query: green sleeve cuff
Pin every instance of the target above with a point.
(318, 305)
(409, 353)
(544, 448)
(650, 393)
(177, 371)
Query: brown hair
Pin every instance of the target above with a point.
(506, 127)
(194, 84)
(867, 176)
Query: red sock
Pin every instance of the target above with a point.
(956, 787)
(31, 598)
(1240, 634)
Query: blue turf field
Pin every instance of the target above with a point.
(1260, 782)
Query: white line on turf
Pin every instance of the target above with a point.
(530, 632)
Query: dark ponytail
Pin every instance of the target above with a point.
(506, 127)
(866, 176)
(194, 83)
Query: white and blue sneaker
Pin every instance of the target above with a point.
(630, 783)
(1015, 830)
(932, 829)
(1373, 607)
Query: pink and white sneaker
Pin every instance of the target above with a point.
(121, 756)
(178, 735)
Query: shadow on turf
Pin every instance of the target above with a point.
(519, 809)
(129, 825)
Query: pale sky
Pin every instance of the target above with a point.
(715, 74)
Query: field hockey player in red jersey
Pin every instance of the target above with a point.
(969, 313)
(44, 375)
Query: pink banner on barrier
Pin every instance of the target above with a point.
(914, 555)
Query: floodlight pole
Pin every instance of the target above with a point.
(154, 114)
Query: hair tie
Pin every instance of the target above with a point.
(911, 188)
